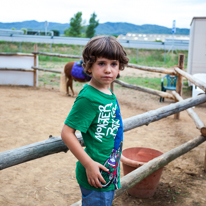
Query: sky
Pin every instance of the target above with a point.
(138, 12)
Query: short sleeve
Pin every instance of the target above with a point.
(81, 115)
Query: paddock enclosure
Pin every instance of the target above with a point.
(30, 115)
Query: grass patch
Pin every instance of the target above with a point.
(155, 58)
(146, 57)
(153, 83)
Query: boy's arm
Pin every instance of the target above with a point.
(92, 167)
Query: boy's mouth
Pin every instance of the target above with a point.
(107, 77)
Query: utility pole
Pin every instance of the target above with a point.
(173, 33)
(46, 24)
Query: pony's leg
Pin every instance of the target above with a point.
(68, 87)
(67, 71)
(70, 83)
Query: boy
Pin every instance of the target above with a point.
(96, 115)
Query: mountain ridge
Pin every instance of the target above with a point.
(107, 28)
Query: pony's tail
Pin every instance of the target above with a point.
(63, 83)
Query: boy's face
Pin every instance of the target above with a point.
(104, 71)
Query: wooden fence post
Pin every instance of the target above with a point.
(35, 64)
(205, 160)
(179, 80)
(112, 86)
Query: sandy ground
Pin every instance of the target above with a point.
(29, 115)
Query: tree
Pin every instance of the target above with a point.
(24, 30)
(75, 26)
(93, 23)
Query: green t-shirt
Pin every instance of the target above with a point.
(93, 114)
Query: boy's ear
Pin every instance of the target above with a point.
(90, 71)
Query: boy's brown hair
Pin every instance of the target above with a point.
(106, 47)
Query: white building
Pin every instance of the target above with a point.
(197, 46)
(151, 37)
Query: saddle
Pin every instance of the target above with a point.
(78, 71)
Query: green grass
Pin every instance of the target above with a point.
(146, 57)
(155, 58)
(153, 83)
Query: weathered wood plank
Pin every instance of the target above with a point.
(139, 174)
(179, 79)
(198, 122)
(16, 69)
(152, 69)
(58, 55)
(15, 54)
(46, 70)
(205, 161)
(54, 145)
(193, 80)
(144, 171)
(34, 151)
(147, 169)
(112, 86)
(144, 89)
(155, 115)
(35, 64)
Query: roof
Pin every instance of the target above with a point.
(203, 17)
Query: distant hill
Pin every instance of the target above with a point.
(124, 28)
(35, 25)
(107, 28)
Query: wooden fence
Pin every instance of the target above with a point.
(55, 144)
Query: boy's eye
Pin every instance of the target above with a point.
(101, 63)
(114, 64)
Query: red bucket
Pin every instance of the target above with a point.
(131, 159)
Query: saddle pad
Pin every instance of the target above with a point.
(77, 71)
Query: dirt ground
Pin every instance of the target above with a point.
(29, 115)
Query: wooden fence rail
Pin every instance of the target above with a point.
(144, 89)
(16, 69)
(16, 54)
(147, 169)
(134, 66)
(58, 55)
(198, 122)
(152, 69)
(145, 68)
(194, 80)
(47, 70)
(54, 145)
(157, 163)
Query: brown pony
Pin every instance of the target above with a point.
(70, 78)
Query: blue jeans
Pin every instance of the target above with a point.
(96, 198)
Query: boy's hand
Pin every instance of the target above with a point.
(94, 175)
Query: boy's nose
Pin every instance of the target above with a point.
(108, 68)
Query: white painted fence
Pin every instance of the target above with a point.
(16, 70)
